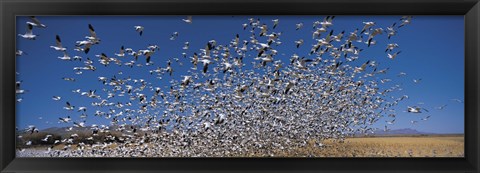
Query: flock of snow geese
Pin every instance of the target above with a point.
(225, 108)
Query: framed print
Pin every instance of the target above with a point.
(240, 86)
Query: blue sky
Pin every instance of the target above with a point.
(432, 50)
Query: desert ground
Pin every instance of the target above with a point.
(385, 146)
(388, 146)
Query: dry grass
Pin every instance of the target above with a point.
(420, 146)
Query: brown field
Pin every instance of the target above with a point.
(397, 146)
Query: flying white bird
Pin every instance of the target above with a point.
(65, 57)
(367, 26)
(29, 34)
(35, 22)
(121, 53)
(457, 100)
(244, 26)
(275, 23)
(188, 20)
(69, 107)
(93, 35)
(405, 21)
(392, 56)
(139, 29)
(327, 21)
(174, 36)
(390, 122)
(298, 26)
(441, 107)
(58, 46)
(415, 109)
(426, 118)
(65, 120)
(20, 53)
(299, 43)
(185, 47)
(86, 43)
(391, 46)
(391, 30)
(205, 62)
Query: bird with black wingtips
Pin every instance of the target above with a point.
(29, 34)
(327, 21)
(205, 62)
(298, 26)
(35, 22)
(391, 46)
(58, 46)
(93, 35)
(188, 20)
(65, 120)
(139, 29)
(275, 23)
(367, 25)
(405, 21)
(299, 43)
(68, 106)
(393, 56)
(169, 68)
(391, 30)
(174, 36)
(121, 53)
(56, 98)
(86, 43)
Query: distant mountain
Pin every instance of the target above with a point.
(405, 131)
(61, 130)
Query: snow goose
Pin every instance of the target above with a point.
(205, 62)
(426, 118)
(56, 98)
(415, 109)
(86, 43)
(121, 53)
(405, 21)
(391, 46)
(58, 46)
(68, 79)
(139, 29)
(264, 29)
(17, 87)
(298, 26)
(20, 53)
(391, 30)
(29, 34)
(65, 57)
(68, 106)
(327, 21)
(93, 35)
(417, 80)
(174, 36)
(169, 68)
(65, 120)
(392, 56)
(35, 22)
(188, 20)
(275, 23)
(367, 25)
(185, 46)
(298, 43)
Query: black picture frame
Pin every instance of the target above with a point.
(11, 8)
